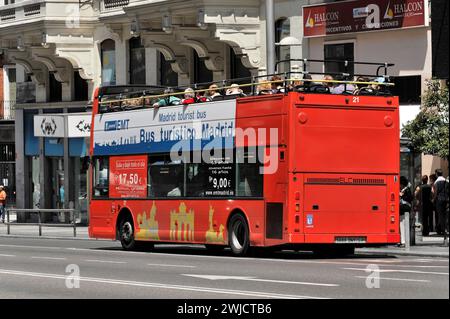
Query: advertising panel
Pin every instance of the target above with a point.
(164, 129)
(128, 177)
(362, 16)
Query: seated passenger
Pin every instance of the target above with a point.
(358, 86)
(264, 88)
(189, 97)
(277, 85)
(235, 90)
(168, 100)
(328, 81)
(213, 91)
(202, 97)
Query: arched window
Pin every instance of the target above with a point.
(282, 30)
(108, 56)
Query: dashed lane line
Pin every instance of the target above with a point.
(162, 286)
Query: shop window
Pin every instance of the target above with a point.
(407, 88)
(137, 61)
(101, 177)
(108, 57)
(339, 52)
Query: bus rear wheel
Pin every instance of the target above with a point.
(238, 235)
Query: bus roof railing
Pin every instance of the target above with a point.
(147, 93)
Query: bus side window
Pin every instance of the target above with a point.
(166, 178)
(101, 177)
(249, 179)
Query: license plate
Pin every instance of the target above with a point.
(350, 240)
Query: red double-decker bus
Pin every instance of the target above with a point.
(302, 168)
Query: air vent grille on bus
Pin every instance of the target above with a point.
(346, 180)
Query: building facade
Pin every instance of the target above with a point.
(62, 50)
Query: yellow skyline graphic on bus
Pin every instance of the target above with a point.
(213, 236)
(148, 228)
(182, 224)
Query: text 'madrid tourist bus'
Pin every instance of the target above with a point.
(302, 161)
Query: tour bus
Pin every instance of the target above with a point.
(299, 167)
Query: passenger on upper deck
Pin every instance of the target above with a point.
(189, 97)
(213, 91)
(235, 90)
(264, 88)
(168, 100)
(276, 85)
(342, 88)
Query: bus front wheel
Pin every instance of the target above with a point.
(238, 235)
(126, 234)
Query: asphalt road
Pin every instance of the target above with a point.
(43, 268)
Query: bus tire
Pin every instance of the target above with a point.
(238, 235)
(126, 234)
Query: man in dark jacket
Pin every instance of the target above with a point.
(425, 205)
(440, 197)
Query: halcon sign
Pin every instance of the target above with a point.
(362, 16)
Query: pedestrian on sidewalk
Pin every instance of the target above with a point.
(2, 203)
(406, 199)
(433, 226)
(425, 205)
(440, 195)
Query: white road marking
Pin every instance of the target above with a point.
(165, 265)
(403, 271)
(50, 258)
(397, 279)
(161, 286)
(105, 261)
(4, 255)
(24, 246)
(218, 277)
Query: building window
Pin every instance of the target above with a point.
(9, 2)
(108, 56)
(80, 87)
(282, 30)
(407, 88)
(201, 72)
(55, 88)
(339, 52)
(238, 70)
(137, 61)
(168, 77)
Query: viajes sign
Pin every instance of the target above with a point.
(363, 16)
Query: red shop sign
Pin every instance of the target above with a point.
(128, 177)
(362, 16)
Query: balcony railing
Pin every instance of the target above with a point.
(108, 5)
(7, 109)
